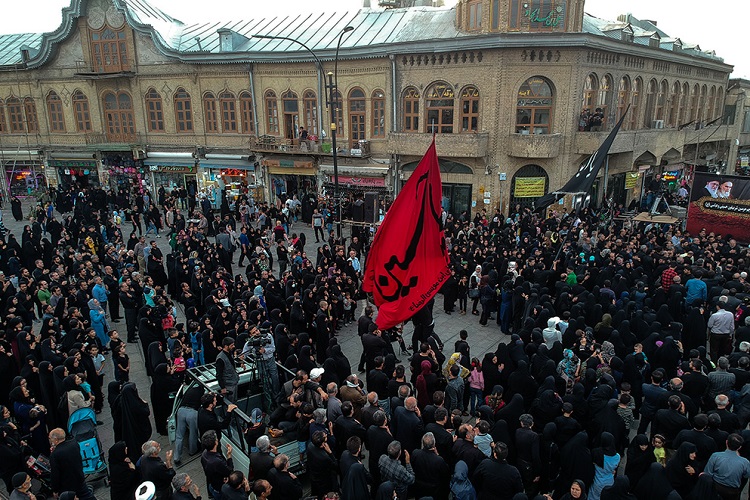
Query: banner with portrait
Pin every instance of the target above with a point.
(720, 204)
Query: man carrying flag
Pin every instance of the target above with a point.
(408, 261)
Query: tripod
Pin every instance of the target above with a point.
(657, 202)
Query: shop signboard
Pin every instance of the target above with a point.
(176, 169)
(529, 187)
(631, 179)
(720, 204)
(360, 181)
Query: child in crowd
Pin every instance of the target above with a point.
(476, 384)
(483, 440)
(122, 363)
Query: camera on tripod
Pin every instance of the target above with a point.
(254, 343)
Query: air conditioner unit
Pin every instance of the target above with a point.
(657, 124)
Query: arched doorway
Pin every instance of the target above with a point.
(529, 183)
(456, 197)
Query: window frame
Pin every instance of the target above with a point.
(272, 112)
(228, 108)
(210, 113)
(410, 109)
(119, 120)
(3, 122)
(438, 103)
(290, 101)
(101, 48)
(378, 114)
(469, 109)
(183, 111)
(32, 119)
(55, 113)
(339, 103)
(247, 114)
(624, 89)
(474, 11)
(674, 104)
(82, 112)
(310, 112)
(154, 111)
(357, 115)
(531, 127)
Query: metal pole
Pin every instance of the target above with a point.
(336, 203)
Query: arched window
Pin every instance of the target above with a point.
(590, 91)
(246, 112)
(228, 105)
(439, 101)
(684, 104)
(529, 183)
(711, 104)
(661, 100)
(357, 118)
(674, 105)
(411, 109)
(635, 103)
(32, 121)
(81, 111)
(623, 98)
(650, 111)
(604, 98)
(3, 124)
(118, 117)
(290, 104)
(209, 113)
(534, 106)
(109, 50)
(183, 111)
(155, 111)
(55, 112)
(310, 107)
(704, 103)
(272, 112)
(470, 109)
(694, 102)
(720, 102)
(378, 113)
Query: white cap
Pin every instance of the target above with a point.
(145, 491)
(316, 372)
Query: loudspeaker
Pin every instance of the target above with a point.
(371, 207)
(358, 211)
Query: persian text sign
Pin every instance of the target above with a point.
(529, 187)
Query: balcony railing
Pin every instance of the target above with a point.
(275, 144)
(535, 145)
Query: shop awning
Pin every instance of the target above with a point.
(165, 162)
(280, 166)
(371, 170)
(219, 164)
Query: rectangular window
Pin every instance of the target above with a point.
(15, 112)
(729, 111)
(3, 125)
(212, 124)
(475, 16)
(378, 116)
(228, 116)
(109, 51)
(411, 114)
(32, 121)
(746, 123)
(248, 120)
(155, 116)
(56, 117)
(495, 14)
(272, 115)
(81, 110)
(184, 113)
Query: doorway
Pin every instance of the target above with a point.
(457, 199)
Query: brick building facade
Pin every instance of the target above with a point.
(122, 91)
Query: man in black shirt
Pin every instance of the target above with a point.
(431, 472)
(215, 466)
(209, 420)
(377, 381)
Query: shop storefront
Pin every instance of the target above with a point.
(290, 177)
(236, 173)
(24, 172)
(121, 171)
(76, 173)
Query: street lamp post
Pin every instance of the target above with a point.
(333, 102)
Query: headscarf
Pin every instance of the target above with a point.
(94, 305)
(461, 487)
(569, 364)
(422, 396)
(455, 359)
(618, 490)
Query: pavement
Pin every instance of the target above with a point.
(481, 339)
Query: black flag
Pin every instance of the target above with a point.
(582, 181)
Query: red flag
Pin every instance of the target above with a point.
(408, 261)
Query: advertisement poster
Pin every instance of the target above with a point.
(529, 187)
(720, 204)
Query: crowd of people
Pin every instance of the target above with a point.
(621, 370)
